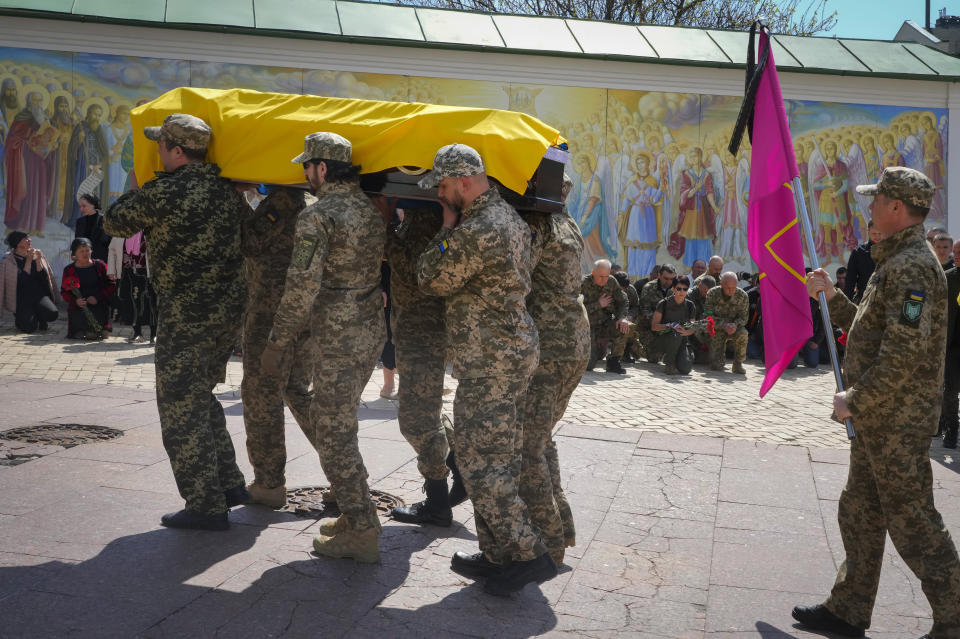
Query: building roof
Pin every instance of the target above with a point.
(386, 24)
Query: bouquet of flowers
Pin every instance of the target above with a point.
(706, 324)
(72, 284)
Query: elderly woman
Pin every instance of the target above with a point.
(85, 285)
(26, 285)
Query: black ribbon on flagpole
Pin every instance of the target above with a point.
(752, 84)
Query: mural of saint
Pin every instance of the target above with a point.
(117, 135)
(62, 120)
(696, 227)
(28, 167)
(88, 151)
(641, 218)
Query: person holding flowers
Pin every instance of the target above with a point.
(87, 290)
(674, 320)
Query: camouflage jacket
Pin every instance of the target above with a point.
(896, 337)
(336, 256)
(698, 300)
(268, 244)
(615, 310)
(405, 243)
(555, 303)
(650, 296)
(633, 303)
(482, 267)
(727, 310)
(193, 220)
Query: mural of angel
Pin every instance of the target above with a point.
(698, 206)
(858, 205)
(829, 183)
(117, 134)
(589, 209)
(910, 148)
(733, 222)
(641, 218)
(889, 153)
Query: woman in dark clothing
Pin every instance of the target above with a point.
(26, 285)
(85, 285)
(90, 226)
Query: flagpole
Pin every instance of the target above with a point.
(824, 311)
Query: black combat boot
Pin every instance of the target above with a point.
(458, 492)
(236, 496)
(474, 566)
(950, 437)
(613, 365)
(520, 573)
(819, 618)
(434, 510)
(195, 521)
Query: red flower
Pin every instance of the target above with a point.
(71, 282)
(711, 329)
(842, 340)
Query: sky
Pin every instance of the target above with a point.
(881, 19)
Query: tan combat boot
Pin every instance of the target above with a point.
(332, 527)
(738, 368)
(270, 497)
(362, 546)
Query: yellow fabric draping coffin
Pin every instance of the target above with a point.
(255, 134)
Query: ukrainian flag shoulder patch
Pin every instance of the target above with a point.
(443, 246)
(912, 308)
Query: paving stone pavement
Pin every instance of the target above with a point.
(700, 509)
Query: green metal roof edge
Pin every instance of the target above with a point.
(332, 37)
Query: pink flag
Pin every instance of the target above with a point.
(773, 232)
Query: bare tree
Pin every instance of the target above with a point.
(782, 16)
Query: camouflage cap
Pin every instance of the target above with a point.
(325, 146)
(182, 129)
(453, 160)
(901, 183)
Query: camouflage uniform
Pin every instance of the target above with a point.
(192, 219)
(482, 267)
(334, 284)
(650, 296)
(603, 320)
(893, 370)
(628, 342)
(267, 249)
(419, 334)
(735, 310)
(561, 319)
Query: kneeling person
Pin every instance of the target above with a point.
(729, 306)
(670, 337)
(334, 282)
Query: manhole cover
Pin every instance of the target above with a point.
(66, 435)
(308, 502)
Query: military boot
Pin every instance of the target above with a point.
(269, 497)
(950, 438)
(613, 365)
(434, 510)
(458, 492)
(738, 368)
(236, 496)
(332, 527)
(360, 545)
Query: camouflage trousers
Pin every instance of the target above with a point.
(191, 359)
(338, 381)
(264, 395)
(602, 335)
(546, 400)
(419, 335)
(488, 442)
(718, 346)
(890, 490)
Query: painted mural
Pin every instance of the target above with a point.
(653, 181)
